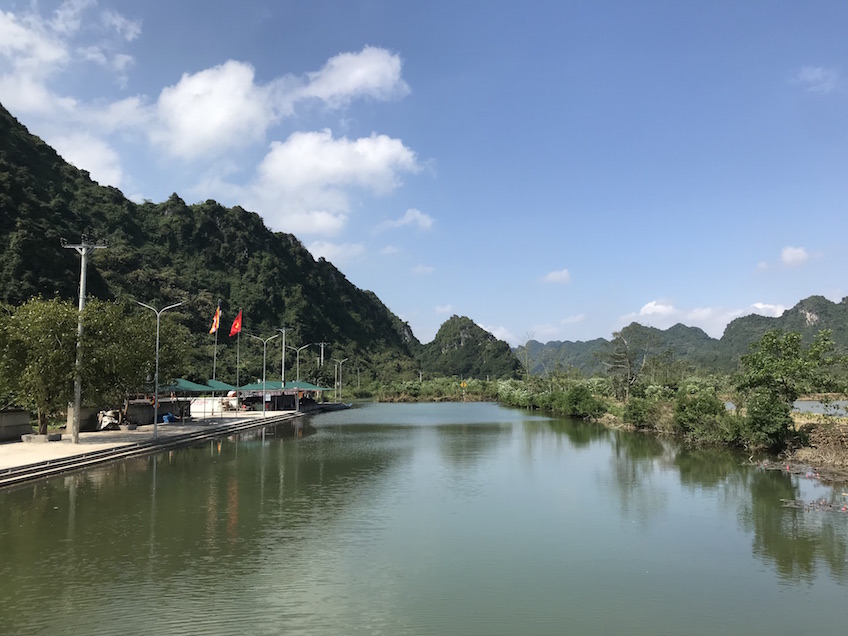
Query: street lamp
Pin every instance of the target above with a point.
(282, 330)
(340, 363)
(264, 342)
(158, 313)
(299, 349)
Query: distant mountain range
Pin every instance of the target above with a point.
(203, 254)
(692, 345)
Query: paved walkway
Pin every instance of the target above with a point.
(15, 454)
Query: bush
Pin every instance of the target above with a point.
(768, 422)
(642, 413)
(578, 401)
(705, 416)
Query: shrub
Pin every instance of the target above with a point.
(642, 413)
(578, 401)
(705, 416)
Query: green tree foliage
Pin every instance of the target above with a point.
(578, 401)
(775, 373)
(37, 356)
(641, 412)
(626, 358)
(705, 417)
(120, 351)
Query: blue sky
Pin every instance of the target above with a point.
(552, 170)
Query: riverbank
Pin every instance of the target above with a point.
(27, 461)
(824, 453)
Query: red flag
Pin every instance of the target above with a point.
(236, 328)
(216, 321)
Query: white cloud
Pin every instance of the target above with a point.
(411, 217)
(423, 269)
(444, 309)
(336, 253)
(212, 111)
(765, 309)
(31, 48)
(303, 185)
(128, 29)
(794, 255)
(656, 308)
(389, 249)
(92, 154)
(558, 276)
(372, 72)
(816, 79)
(502, 333)
(574, 319)
(713, 320)
(68, 17)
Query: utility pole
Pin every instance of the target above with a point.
(282, 330)
(84, 248)
(340, 363)
(321, 363)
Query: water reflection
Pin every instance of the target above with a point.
(634, 468)
(376, 522)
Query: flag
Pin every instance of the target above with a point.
(216, 320)
(236, 328)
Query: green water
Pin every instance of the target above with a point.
(425, 519)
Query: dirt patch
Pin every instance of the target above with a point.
(826, 451)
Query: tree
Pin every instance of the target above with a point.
(625, 359)
(776, 372)
(37, 356)
(38, 353)
(117, 360)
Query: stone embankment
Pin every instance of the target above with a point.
(22, 462)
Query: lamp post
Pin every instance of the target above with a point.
(282, 330)
(264, 342)
(340, 363)
(158, 313)
(299, 349)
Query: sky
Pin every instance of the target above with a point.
(553, 170)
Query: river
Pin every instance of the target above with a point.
(426, 519)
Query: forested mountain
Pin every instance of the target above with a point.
(692, 346)
(198, 254)
(464, 349)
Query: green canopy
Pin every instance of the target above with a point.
(305, 386)
(274, 385)
(270, 385)
(217, 385)
(185, 386)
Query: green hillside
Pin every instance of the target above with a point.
(464, 349)
(198, 254)
(692, 346)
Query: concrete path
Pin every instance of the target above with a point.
(17, 454)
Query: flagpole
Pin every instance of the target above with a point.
(238, 362)
(215, 355)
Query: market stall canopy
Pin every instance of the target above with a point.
(185, 386)
(306, 386)
(275, 385)
(217, 385)
(270, 385)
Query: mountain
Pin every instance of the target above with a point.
(197, 254)
(464, 349)
(692, 346)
